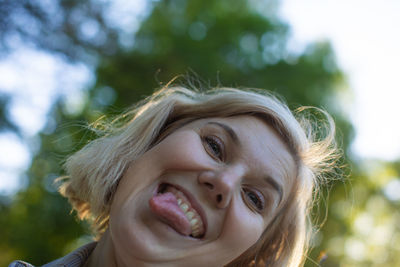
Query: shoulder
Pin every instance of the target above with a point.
(20, 264)
(76, 258)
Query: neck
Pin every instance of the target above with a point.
(103, 254)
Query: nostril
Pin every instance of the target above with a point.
(219, 198)
(210, 186)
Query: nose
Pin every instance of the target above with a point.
(220, 185)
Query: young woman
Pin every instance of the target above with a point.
(218, 178)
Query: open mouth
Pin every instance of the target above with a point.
(178, 209)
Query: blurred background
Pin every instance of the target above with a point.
(65, 63)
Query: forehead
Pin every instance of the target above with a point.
(258, 147)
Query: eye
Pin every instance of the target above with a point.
(214, 146)
(255, 199)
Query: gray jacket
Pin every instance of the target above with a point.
(77, 258)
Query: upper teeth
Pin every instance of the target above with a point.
(192, 216)
(189, 215)
(184, 207)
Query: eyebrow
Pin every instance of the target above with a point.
(227, 129)
(271, 181)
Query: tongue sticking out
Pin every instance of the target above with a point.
(166, 206)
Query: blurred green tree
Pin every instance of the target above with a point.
(75, 29)
(5, 123)
(229, 43)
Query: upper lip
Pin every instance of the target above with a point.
(194, 203)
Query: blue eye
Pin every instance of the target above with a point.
(214, 146)
(255, 198)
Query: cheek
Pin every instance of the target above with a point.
(183, 151)
(242, 229)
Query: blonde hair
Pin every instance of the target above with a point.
(95, 170)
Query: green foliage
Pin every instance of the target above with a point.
(5, 123)
(57, 26)
(362, 227)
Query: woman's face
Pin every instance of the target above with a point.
(203, 195)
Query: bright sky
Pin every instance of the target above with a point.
(364, 35)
